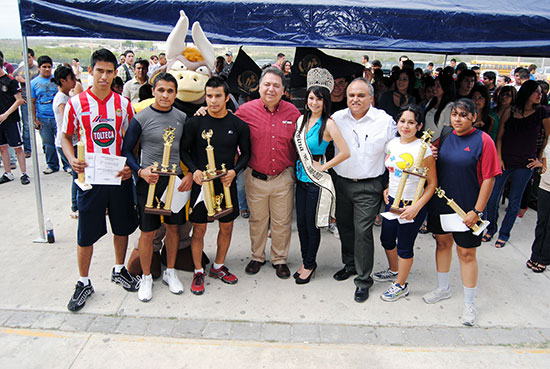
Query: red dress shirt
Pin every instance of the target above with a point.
(271, 133)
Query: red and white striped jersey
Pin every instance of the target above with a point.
(104, 121)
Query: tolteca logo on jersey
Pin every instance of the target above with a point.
(103, 134)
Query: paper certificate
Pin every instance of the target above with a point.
(391, 216)
(179, 199)
(103, 168)
(453, 223)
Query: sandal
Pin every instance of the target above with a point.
(487, 237)
(74, 214)
(530, 264)
(538, 268)
(423, 229)
(500, 244)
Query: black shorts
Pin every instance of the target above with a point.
(10, 134)
(118, 200)
(465, 240)
(151, 222)
(199, 213)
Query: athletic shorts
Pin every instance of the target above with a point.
(199, 213)
(466, 239)
(92, 204)
(151, 222)
(10, 134)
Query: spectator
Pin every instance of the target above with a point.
(10, 100)
(401, 95)
(532, 70)
(402, 58)
(489, 80)
(117, 85)
(504, 98)
(503, 81)
(19, 75)
(131, 88)
(125, 70)
(482, 101)
(520, 76)
(438, 111)
(43, 91)
(77, 69)
(477, 71)
(376, 64)
(280, 61)
(464, 84)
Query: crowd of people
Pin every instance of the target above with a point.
(361, 141)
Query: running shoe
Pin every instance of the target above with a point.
(80, 295)
(223, 274)
(170, 278)
(469, 315)
(126, 280)
(384, 276)
(197, 286)
(436, 295)
(395, 292)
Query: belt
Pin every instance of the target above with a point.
(361, 179)
(259, 175)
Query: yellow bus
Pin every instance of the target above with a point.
(503, 68)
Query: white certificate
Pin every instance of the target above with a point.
(103, 168)
(453, 223)
(392, 216)
(179, 199)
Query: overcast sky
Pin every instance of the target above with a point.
(9, 19)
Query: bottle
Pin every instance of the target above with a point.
(49, 231)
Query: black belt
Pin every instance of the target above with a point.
(259, 175)
(361, 179)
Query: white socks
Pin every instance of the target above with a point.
(217, 266)
(148, 277)
(118, 268)
(201, 270)
(469, 295)
(85, 280)
(443, 281)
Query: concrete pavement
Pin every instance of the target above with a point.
(262, 317)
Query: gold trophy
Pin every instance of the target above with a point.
(478, 227)
(163, 208)
(212, 201)
(415, 170)
(81, 156)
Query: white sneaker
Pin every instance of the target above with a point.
(469, 315)
(145, 292)
(436, 295)
(170, 278)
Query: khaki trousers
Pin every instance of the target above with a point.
(270, 200)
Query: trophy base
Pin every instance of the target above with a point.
(413, 173)
(164, 172)
(83, 185)
(397, 210)
(219, 173)
(483, 226)
(220, 214)
(157, 211)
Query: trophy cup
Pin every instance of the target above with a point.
(160, 208)
(415, 170)
(478, 227)
(212, 201)
(80, 155)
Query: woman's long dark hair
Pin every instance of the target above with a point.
(525, 91)
(449, 94)
(418, 116)
(324, 94)
(412, 79)
(502, 90)
(484, 113)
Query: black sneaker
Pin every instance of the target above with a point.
(6, 177)
(80, 295)
(25, 179)
(125, 279)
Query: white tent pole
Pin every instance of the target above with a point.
(35, 170)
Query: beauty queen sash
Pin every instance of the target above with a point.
(326, 205)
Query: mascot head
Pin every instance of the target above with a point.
(191, 66)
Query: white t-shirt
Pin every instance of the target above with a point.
(402, 156)
(59, 99)
(444, 120)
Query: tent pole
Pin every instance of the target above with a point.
(445, 61)
(35, 170)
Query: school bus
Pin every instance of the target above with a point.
(503, 68)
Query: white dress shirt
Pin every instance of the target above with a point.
(366, 139)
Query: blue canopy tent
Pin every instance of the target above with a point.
(519, 28)
(435, 26)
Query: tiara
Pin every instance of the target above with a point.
(320, 77)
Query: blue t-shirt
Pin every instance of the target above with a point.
(463, 163)
(316, 148)
(43, 90)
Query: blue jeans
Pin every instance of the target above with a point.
(26, 130)
(307, 195)
(48, 131)
(64, 160)
(519, 178)
(241, 192)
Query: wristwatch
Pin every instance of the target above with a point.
(478, 213)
